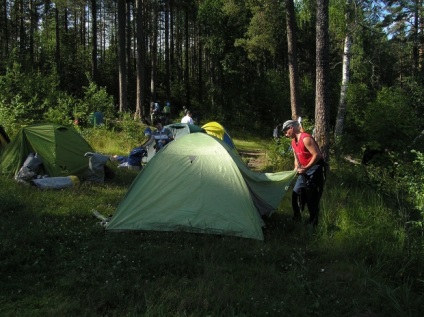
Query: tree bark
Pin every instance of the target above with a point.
(94, 41)
(421, 38)
(154, 53)
(140, 61)
(295, 101)
(322, 106)
(341, 112)
(33, 21)
(5, 32)
(123, 98)
(187, 61)
(129, 39)
(167, 66)
(171, 40)
(57, 52)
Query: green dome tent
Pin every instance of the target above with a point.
(195, 184)
(178, 130)
(60, 148)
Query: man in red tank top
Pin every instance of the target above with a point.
(309, 164)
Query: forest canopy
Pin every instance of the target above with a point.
(226, 60)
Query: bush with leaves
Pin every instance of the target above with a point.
(95, 99)
(25, 97)
(390, 120)
(63, 112)
(281, 155)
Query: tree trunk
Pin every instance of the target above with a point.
(171, 44)
(421, 38)
(322, 106)
(5, 32)
(295, 100)
(415, 55)
(57, 53)
(33, 21)
(123, 99)
(187, 65)
(22, 35)
(341, 112)
(154, 53)
(94, 41)
(128, 40)
(167, 66)
(140, 60)
(200, 71)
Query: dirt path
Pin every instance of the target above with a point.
(256, 159)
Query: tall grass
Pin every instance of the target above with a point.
(56, 260)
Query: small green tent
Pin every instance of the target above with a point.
(195, 184)
(60, 148)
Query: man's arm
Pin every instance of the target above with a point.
(149, 141)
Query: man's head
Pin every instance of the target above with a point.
(290, 124)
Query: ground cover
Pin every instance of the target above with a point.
(56, 260)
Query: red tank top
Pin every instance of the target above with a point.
(300, 150)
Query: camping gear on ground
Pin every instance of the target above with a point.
(133, 160)
(136, 155)
(197, 183)
(96, 167)
(60, 148)
(29, 169)
(56, 182)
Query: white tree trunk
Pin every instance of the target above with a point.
(341, 112)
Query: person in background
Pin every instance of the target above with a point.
(154, 110)
(276, 133)
(187, 118)
(167, 112)
(310, 166)
(161, 135)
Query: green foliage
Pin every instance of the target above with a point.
(62, 113)
(262, 35)
(280, 155)
(25, 97)
(97, 99)
(132, 131)
(13, 114)
(31, 97)
(416, 187)
(389, 120)
(414, 184)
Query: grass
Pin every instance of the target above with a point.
(56, 260)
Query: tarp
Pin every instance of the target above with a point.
(60, 148)
(197, 183)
